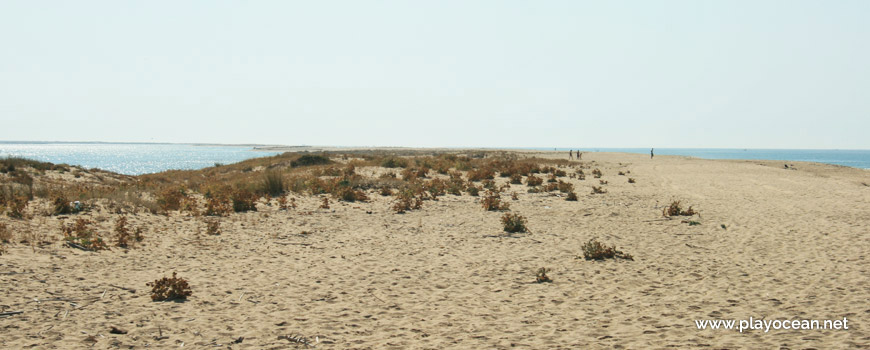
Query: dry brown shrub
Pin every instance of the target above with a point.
(675, 209)
(514, 223)
(533, 180)
(594, 250)
(492, 201)
(175, 288)
(81, 234)
(572, 196)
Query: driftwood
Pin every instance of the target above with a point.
(131, 290)
(78, 246)
(10, 313)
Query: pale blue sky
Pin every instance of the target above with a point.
(741, 74)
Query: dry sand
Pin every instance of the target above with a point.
(446, 277)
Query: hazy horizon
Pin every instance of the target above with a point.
(494, 74)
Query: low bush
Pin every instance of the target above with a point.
(572, 197)
(516, 179)
(514, 223)
(244, 200)
(480, 174)
(394, 162)
(17, 206)
(595, 250)
(310, 159)
(175, 288)
(406, 200)
(273, 183)
(80, 235)
(631, 180)
(492, 201)
(598, 190)
(675, 209)
(170, 199)
(533, 180)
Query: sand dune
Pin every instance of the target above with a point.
(795, 246)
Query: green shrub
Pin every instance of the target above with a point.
(310, 159)
(273, 183)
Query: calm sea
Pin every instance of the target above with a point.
(131, 158)
(851, 158)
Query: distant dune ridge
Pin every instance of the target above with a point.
(295, 252)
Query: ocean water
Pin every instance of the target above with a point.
(850, 158)
(131, 158)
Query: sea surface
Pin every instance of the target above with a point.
(131, 158)
(850, 158)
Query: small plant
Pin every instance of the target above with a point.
(723, 227)
(61, 205)
(17, 206)
(170, 199)
(473, 190)
(541, 276)
(213, 227)
(324, 204)
(602, 182)
(533, 180)
(80, 235)
(492, 201)
(598, 190)
(348, 194)
(309, 159)
(406, 201)
(516, 179)
(393, 162)
(175, 288)
(282, 202)
(217, 206)
(596, 173)
(244, 200)
(621, 173)
(273, 183)
(481, 174)
(514, 196)
(631, 180)
(693, 223)
(594, 250)
(122, 233)
(572, 196)
(514, 223)
(676, 209)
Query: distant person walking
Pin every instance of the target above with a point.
(651, 154)
(570, 154)
(579, 155)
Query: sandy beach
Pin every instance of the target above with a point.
(769, 242)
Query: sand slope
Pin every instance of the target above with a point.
(796, 246)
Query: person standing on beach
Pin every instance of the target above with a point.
(570, 154)
(578, 154)
(651, 153)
